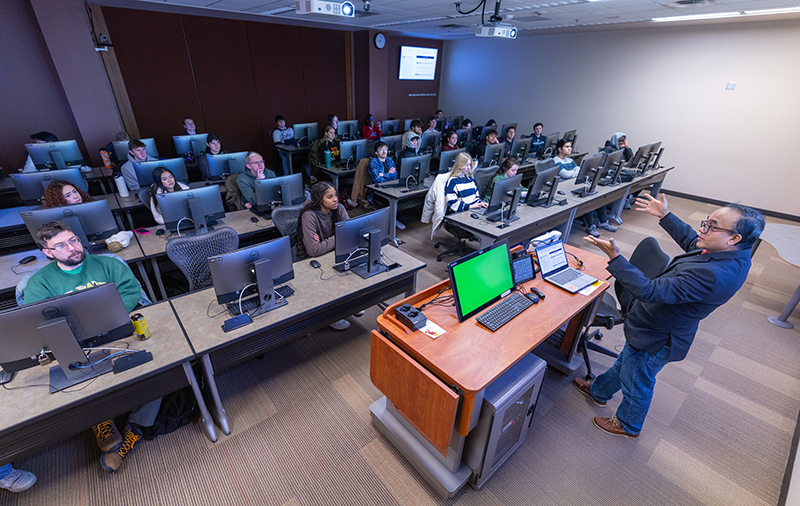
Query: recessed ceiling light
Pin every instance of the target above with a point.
(762, 12)
(693, 17)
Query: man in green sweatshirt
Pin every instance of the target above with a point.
(74, 270)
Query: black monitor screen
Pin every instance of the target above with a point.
(55, 155)
(31, 185)
(227, 163)
(448, 158)
(417, 166)
(233, 271)
(493, 154)
(176, 206)
(480, 278)
(91, 221)
(346, 130)
(350, 152)
(520, 148)
(195, 144)
(281, 190)
(350, 235)
(305, 133)
(500, 192)
(144, 170)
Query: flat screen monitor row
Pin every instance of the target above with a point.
(60, 328)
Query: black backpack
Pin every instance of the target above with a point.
(177, 409)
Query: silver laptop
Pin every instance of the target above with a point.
(556, 270)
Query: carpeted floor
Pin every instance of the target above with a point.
(719, 430)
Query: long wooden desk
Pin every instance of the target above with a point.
(537, 220)
(397, 195)
(315, 304)
(32, 417)
(411, 366)
(286, 153)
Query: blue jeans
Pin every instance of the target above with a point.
(4, 470)
(634, 373)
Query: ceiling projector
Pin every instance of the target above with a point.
(496, 30)
(346, 8)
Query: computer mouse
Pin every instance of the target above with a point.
(474, 215)
(27, 260)
(560, 192)
(254, 219)
(315, 264)
(161, 231)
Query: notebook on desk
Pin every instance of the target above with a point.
(555, 268)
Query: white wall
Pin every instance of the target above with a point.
(665, 83)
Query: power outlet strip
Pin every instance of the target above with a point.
(410, 316)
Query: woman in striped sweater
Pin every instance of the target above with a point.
(460, 190)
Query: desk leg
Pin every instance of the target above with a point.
(146, 278)
(393, 223)
(157, 273)
(198, 395)
(619, 205)
(130, 219)
(208, 371)
(286, 158)
(566, 227)
(335, 178)
(781, 321)
(656, 188)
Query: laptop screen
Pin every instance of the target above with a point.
(480, 278)
(551, 257)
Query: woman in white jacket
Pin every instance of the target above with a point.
(163, 182)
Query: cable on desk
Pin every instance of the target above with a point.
(438, 300)
(580, 262)
(209, 309)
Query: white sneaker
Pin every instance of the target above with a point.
(592, 231)
(399, 225)
(607, 226)
(18, 480)
(340, 325)
(352, 204)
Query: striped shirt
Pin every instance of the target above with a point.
(461, 193)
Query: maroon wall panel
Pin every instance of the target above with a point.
(31, 96)
(152, 55)
(278, 73)
(400, 105)
(361, 42)
(224, 78)
(324, 74)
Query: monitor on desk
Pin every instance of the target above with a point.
(144, 170)
(55, 155)
(589, 174)
(543, 187)
(63, 326)
(612, 164)
(430, 141)
(520, 148)
(364, 234)
(254, 270)
(640, 157)
(350, 152)
(481, 132)
(31, 185)
(455, 122)
(418, 167)
(550, 141)
(504, 129)
(305, 134)
(448, 158)
(194, 144)
(480, 279)
(570, 135)
(279, 191)
(464, 135)
(346, 130)
(201, 207)
(121, 148)
(407, 124)
(655, 156)
(502, 191)
(90, 221)
(226, 163)
(390, 127)
(493, 154)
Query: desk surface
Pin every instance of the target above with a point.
(785, 239)
(32, 417)
(11, 272)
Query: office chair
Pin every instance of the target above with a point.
(648, 258)
(483, 176)
(190, 253)
(144, 195)
(434, 211)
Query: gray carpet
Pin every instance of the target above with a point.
(718, 432)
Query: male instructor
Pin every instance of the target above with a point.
(665, 312)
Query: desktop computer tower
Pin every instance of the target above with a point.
(508, 406)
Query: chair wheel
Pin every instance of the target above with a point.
(436, 245)
(589, 377)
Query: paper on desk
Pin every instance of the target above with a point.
(432, 330)
(591, 288)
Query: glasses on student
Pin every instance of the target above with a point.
(74, 242)
(705, 228)
(257, 162)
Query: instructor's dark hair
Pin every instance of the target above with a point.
(749, 226)
(317, 194)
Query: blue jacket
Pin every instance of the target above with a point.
(667, 310)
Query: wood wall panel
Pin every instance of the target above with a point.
(361, 44)
(224, 79)
(152, 55)
(324, 74)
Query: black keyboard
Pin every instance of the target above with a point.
(505, 311)
(565, 277)
(253, 302)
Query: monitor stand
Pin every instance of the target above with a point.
(58, 159)
(510, 215)
(373, 265)
(198, 216)
(266, 286)
(61, 340)
(550, 200)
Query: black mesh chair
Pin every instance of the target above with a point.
(285, 218)
(190, 253)
(144, 195)
(648, 258)
(483, 176)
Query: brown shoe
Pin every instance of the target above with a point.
(113, 460)
(108, 437)
(610, 425)
(585, 388)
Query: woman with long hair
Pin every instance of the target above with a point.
(63, 193)
(460, 190)
(163, 182)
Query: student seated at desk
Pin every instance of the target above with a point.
(538, 140)
(411, 148)
(38, 138)
(137, 152)
(74, 270)
(507, 169)
(569, 169)
(511, 132)
(189, 128)
(467, 123)
(62, 193)
(480, 149)
(460, 191)
(416, 127)
(619, 141)
(381, 167)
(371, 128)
(450, 140)
(316, 227)
(431, 125)
(246, 181)
(163, 182)
(333, 120)
(282, 134)
(316, 155)
(439, 114)
(214, 147)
